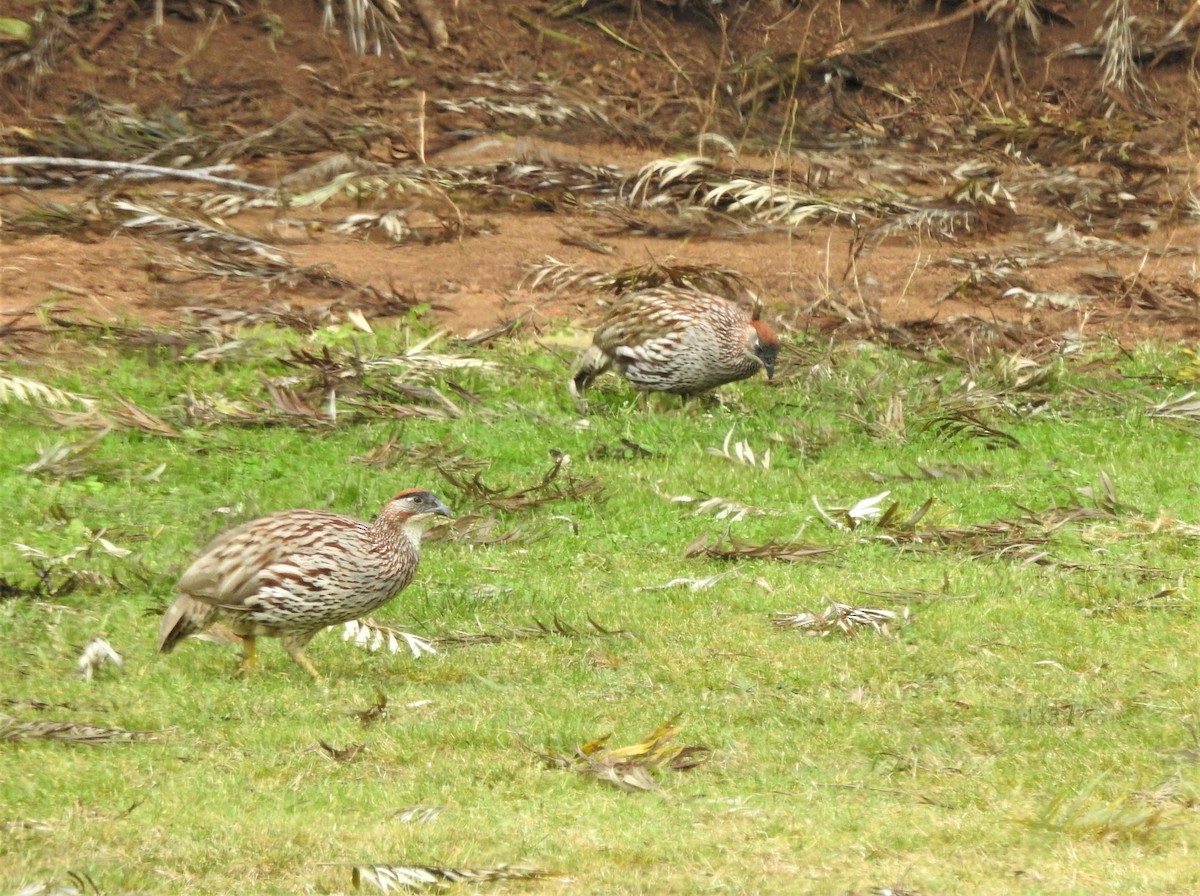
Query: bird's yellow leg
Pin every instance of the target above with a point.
(249, 655)
(297, 654)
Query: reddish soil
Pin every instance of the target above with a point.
(680, 71)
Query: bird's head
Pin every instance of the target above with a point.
(762, 345)
(412, 510)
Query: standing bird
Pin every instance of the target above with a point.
(292, 573)
(677, 341)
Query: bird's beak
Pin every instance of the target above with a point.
(442, 510)
(770, 365)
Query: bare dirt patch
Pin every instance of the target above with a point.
(942, 179)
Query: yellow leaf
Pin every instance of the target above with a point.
(14, 29)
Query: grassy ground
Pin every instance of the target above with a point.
(1027, 723)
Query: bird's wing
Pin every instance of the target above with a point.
(230, 570)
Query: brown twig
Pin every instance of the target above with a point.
(852, 44)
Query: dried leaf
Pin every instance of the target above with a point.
(933, 472)
(376, 712)
(343, 754)
(97, 652)
(26, 391)
(130, 416)
(630, 768)
(739, 549)
(372, 636)
(394, 878)
(68, 732)
(66, 460)
(843, 618)
(741, 453)
(850, 518)
(359, 321)
(965, 424)
(1185, 407)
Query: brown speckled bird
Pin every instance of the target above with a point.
(677, 341)
(290, 574)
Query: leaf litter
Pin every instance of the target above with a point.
(401, 878)
(555, 485)
(839, 618)
(68, 732)
(633, 767)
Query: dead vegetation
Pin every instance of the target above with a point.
(839, 618)
(993, 221)
(631, 768)
(67, 732)
(824, 129)
(406, 878)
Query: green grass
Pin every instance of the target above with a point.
(1033, 728)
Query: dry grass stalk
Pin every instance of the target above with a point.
(1120, 81)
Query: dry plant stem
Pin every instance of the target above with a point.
(431, 18)
(421, 127)
(197, 174)
(852, 44)
(1176, 30)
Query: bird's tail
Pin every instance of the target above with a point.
(184, 617)
(592, 362)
